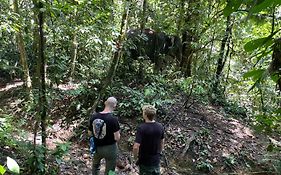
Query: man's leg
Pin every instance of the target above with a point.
(149, 170)
(156, 171)
(110, 158)
(96, 163)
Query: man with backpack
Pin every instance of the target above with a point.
(149, 143)
(105, 130)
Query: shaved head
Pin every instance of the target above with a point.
(111, 102)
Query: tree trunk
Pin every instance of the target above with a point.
(142, 27)
(186, 61)
(223, 53)
(23, 57)
(42, 89)
(36, 67)
(180, 19)
(191, 18)
(143, 15)
(74, 49)
(73, 55)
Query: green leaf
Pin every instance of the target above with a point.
(13, 165)
(275, 77)
(111, 172)
(42, 10)
(255, 74)
(277, 2)
(232, 6)
(2, 170)
(261, 6)
(254, 44)
(148, 92)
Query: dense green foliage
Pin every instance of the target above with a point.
(82, 36)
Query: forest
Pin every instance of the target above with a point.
(211, 68)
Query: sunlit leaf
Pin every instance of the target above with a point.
(79, 1)
(2, 170)
(13, 165)
(232, 6)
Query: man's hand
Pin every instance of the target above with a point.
(89, 133)
(136, 148)
(117, 136)
(162, 145)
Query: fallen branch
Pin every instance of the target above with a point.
(187, 144)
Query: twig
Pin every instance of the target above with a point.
(275, 142)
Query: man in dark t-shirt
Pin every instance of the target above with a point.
(106, 131)
(149, 143)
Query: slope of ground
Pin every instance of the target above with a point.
(200, 139)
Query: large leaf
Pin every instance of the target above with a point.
(2, 170)
(13, 165)
(262, 6)
(254, 44)
(232, 6)
(255, 74)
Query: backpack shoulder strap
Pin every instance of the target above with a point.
(101, 129)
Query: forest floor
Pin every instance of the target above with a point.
(199, 139)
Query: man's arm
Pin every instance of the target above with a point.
(162, 145)
(117, 136)
(136, 149)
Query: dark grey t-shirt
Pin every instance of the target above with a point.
(111, 126)
(149, 136)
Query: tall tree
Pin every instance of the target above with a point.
(116, 56)
(23, 55)
(224, 51)
(143, 20)
(191, 18)
(42, 88)
(143, 15)
(35, 34)
(74, 44)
